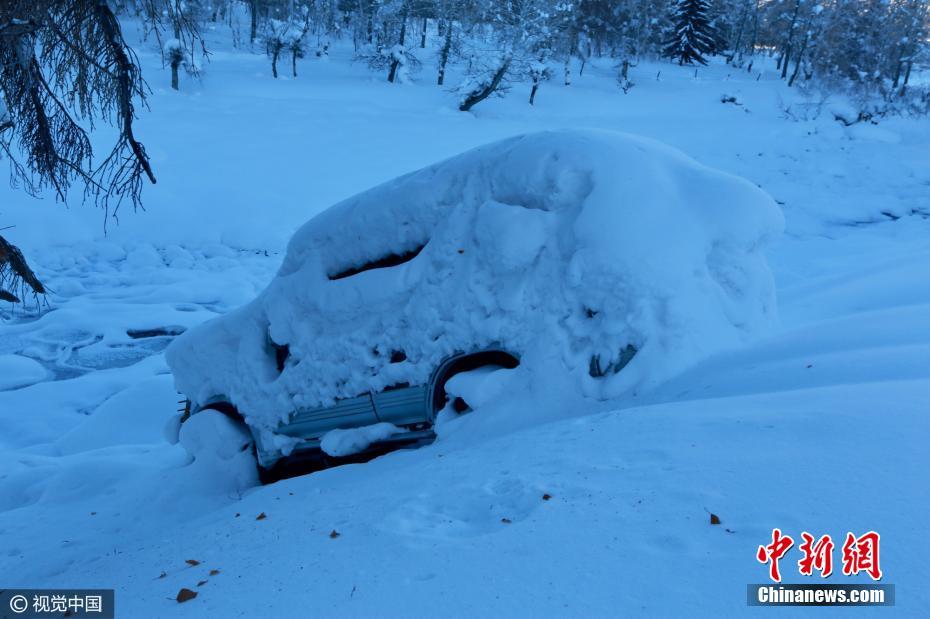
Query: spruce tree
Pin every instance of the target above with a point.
(64, 65)
(692, 34)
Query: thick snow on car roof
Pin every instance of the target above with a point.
(561, 246)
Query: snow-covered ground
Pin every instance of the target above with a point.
(599, 510)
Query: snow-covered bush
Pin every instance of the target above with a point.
(519, 36)
(571, 248)
(285, 36)
(399, 60)
(177, 27)
(624, 82)
(539, 72)
(485, 77)
(388, 47)
(174, 56)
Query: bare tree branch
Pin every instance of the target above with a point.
(64, 65)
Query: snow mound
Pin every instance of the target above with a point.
(476, 388)
(18, 371)
(479, 387)
(354, 440)
(220, 451)
(573, 249)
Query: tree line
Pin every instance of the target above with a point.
(64, 64)
(868, 47)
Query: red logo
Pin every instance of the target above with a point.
(773, 552)
(860, 554)
(817, 556)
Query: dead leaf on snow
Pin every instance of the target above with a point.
(185, 595)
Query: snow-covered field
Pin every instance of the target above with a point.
(597, 509)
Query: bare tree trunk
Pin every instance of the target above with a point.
(786, 55)
(804, 44)
(176, 55)
(905, 56)
(444, 54)
(253, 27)
(533, 91)
(755, 33)
(274, 63)
(797, 64)
(739, 36)
(294, 63)
(572, 45)
(423, 34)
(395, 63)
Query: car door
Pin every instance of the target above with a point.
(315, 422)
(402, 405)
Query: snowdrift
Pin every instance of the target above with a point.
(571, 248)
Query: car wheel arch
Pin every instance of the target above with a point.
(463, 362)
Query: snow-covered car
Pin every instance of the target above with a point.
(590, 262)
